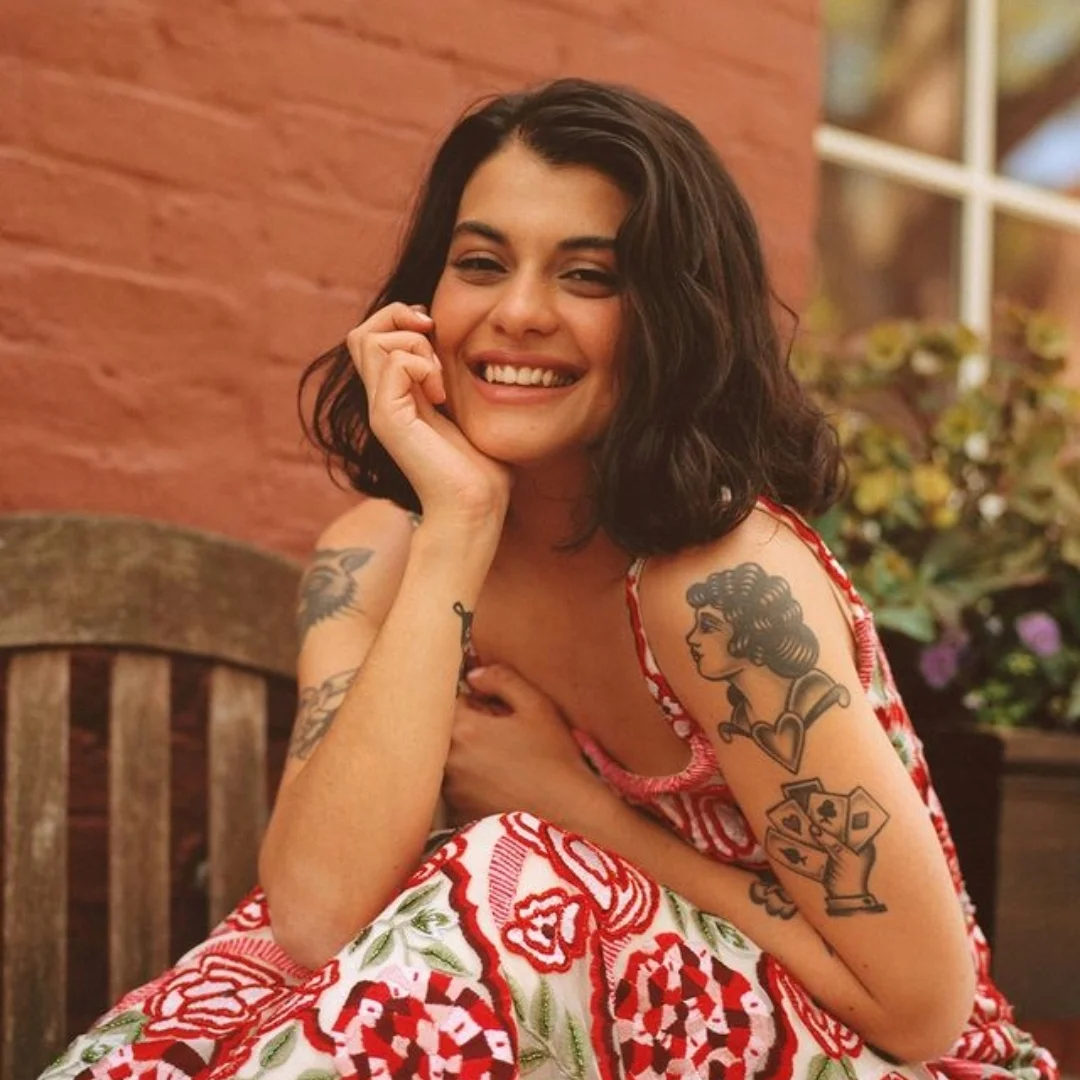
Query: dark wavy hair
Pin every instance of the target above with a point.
(708, 416)
(766, 620)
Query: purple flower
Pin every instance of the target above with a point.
(940, 663)
(1039, 632)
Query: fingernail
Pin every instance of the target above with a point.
(475, 671)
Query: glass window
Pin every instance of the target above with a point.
(895, 70)
(1038, 92)
(886, 250)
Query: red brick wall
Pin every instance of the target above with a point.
(196, 197)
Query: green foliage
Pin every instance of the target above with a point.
(961, 522)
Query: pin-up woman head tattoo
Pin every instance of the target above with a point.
(745, 616)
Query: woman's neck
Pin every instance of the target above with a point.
(546, 511)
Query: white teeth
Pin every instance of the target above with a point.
(507, 375)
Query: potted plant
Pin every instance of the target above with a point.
(961, 528)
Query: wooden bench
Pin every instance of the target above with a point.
(149, 593)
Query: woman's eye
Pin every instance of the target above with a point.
(482, 264)
(594, 278)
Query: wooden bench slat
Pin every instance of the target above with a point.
(35, 846)
(138, 821)
(237, 784)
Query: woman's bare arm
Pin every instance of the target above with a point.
(847, 834)
(384, 610)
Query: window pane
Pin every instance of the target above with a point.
(1038, 265)
(885, 250)
(894, 69)
(1038, 125)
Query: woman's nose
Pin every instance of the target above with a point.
(524, 306)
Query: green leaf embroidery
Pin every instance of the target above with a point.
(361, 938)
(730, 934)
(430, 922)
(276, 1052)
(708, 930)
(675, 905)
(517, 996)
(417, 899)
(532, 1058)
(319, 1074)
(442, 959)
(378, 948)
(578, 1051)
(823, 1067)
(543, 1005)
(131, 1017)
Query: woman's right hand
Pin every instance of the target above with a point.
(404, 383)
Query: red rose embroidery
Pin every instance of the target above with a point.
(679, 1012)
(212, 997)
(834, 1037)
(251, 914)
(549, 929)
(424, 1025)
(449, 851)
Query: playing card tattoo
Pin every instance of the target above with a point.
(328, 586)
(828, 837)
(745, 619)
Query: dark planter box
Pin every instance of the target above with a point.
(1012, 798)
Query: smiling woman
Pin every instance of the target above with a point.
(689, 830)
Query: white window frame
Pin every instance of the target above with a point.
(974, 180)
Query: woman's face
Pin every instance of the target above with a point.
(709, 639)
(528, 314)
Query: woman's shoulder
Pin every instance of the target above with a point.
(369, 522)
(763, 554)
(764, 537)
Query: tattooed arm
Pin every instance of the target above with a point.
(754, 641)
(380, 616)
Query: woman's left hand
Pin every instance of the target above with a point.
(511, 749)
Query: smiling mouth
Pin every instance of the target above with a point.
(522, 375)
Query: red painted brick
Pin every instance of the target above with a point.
(763, 37)
(72, 209)
(141, 324)
(106, 37)
(13, 97)
(193, 38)
(511, 35)
(314, 64)
(351, 159)
(299, 321)
(329, 246)
(206, 236)
(146, 133)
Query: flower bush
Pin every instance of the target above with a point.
(961, 521)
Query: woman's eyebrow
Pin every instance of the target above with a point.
(571, 243)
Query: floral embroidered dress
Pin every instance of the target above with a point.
(517, 948)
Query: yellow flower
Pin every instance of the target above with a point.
(888, 345)
(944, 517)
(931, 484)
(876, 490)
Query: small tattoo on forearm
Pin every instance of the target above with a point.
(316, 709)
(328, 586)
(745, 618)
(769, 894)
(828, 837)
(466, 616)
